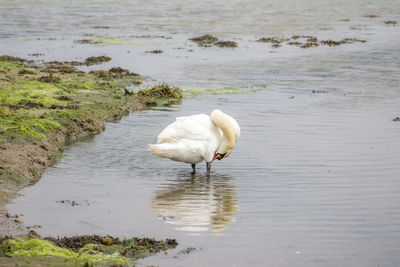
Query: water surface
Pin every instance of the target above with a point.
(314, 178)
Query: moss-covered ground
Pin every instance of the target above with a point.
(79, 251)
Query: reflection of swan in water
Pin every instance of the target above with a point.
(197, 203)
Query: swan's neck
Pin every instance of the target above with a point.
(228, 132)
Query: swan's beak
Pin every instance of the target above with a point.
(218, 156)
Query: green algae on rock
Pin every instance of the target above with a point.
(93, 250)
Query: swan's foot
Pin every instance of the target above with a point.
(208, 165)
(194, 168)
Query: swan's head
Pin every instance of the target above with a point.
(231, 133)
(219, 156)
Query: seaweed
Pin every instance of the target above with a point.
(223, 44)
(295, 43)
(390, 22)
(205, 40)
(309, 44)
(161, 94)
(96, 60)
(158, 51)
(114, 73)
(371, 16)
(344, 41)
(101, 27)
(26, 71)
(274, 40)
(49, 79)
(13, 59)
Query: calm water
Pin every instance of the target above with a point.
(314, 179)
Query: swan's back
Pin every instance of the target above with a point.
(190, 139)
(196, 127)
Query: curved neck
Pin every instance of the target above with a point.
(228, 138)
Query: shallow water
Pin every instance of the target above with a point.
(314, 179)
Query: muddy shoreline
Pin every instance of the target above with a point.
(48, 106)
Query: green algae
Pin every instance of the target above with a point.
(91, 250)
(193, 92)
(30, 246)
(103, 40)
(10, 65)
(37, 247)
(35, 91)
(28, 125)
(39, 261)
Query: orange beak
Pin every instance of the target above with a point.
(218, 156)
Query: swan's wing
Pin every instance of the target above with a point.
(196, 128)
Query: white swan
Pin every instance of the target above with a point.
(196, 138)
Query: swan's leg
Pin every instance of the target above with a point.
(208, 165)
(194, 168)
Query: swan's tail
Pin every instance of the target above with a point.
(164, 150)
